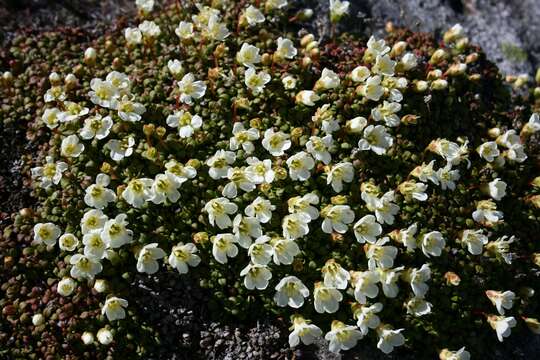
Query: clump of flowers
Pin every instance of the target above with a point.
(356, 186)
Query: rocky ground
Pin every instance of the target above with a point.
(507, 30)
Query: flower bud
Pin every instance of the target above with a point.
(535, 201)
(87, 338)
(409, 119)
(536, 182)
(106, 168)
(439, 84)
(305, 14)
(7, 77)
(457, 69)
(306, 61)
(471, 58)
(71, 81)
(533, 324)
(537, 76)
(90, 56)
(101, 285)
(339, 200)
(312, 45)
(421, 86)
(398, 49)
(452, 278)
(462, 44)
(438, 56)
(104, 336)
(38, 319)
(148, 129)
(306, 39)
(196, 163)
(54, 78)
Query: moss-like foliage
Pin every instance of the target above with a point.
(382, 189)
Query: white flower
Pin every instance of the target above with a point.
(73, 111)
(502, 325)
(373, 89)
(366, 317)
(336, 218)
(275, 4)
(360, 73)
(475, 240)
(338, 8)
(138, 191)
(384, 65)
(334, 275)
(388, 279)
(245, 228)
(120, 82)
(307, 97)
(450, 151)
(184, 30)
(501, 247)
(488, 151)
(376, 139)
(93, 220)
(46, 233)
(413, 190)
(68, 242)
(389, 338)
(84, 267)
(447, 177)
(408, 61)
(183, 255)
(164, 187)
(285, 49)
(133, 36)
(418, 278)
(380, 256)
(295, 226)
(219, 210)
(248, 55)
(501, 300)
(432, 243)
(256, 81)
(460, 354)
(326, 299)
(387, 112)
(385, 209)
(328, 80)
(318, 148)
(104, 336)
(103, 93)
(186, 123)
(256, 276)
(71, 147)
(180, 172)
(66, 286)
(426, 172)
(94, 246)
(284, 251)
(191, 89)
(147, 259)
(253, 15)
(129, 110)
(55, 93)
(239, 178)
(533, 125)
(114, 308)
(242, 137)
(367, 229)
(145, 6)
(50, 173)
(339, 173)
(365, 285)
(291, 291)
(260, 171)
(289, 82)
(149, 29)
(497, 189)
(115, 232)
(341, 336)
(300, 166)
(303, 331)
(223, 247)
(260, 251)
(516, 153)
(97, 195)
(303, 205)
(219, 164)
(96, 127)
(407, 237)
(51, 117)
(276, 143)
(215, 30)
(486, 212)
(120, 148)
(261, 209)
